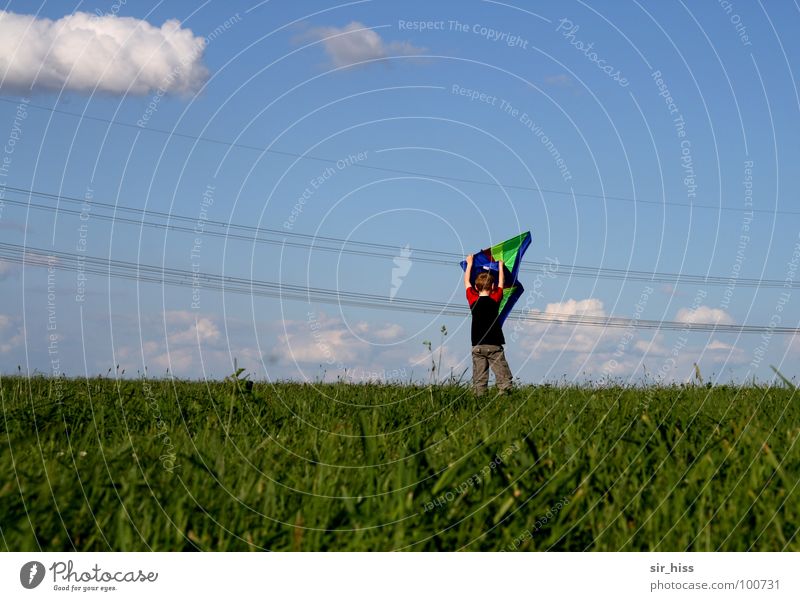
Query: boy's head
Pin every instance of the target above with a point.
(484, 282)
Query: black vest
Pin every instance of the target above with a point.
(485, 325)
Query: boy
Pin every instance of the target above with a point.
(487, 335)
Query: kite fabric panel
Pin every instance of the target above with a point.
(510, 252)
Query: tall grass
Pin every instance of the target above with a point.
(130, 465)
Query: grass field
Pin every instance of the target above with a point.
(173, 465)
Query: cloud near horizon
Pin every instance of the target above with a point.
(84, 52)
(561, 338)
(703, 314)
(355, 43)
(11, 333)
(601, 352)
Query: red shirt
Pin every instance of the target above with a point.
(472, 295)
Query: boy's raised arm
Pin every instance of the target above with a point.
(501, 280)
(468, 272)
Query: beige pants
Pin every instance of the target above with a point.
(483, 357)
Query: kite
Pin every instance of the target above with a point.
(510, 252)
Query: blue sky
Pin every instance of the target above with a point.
(565, 109)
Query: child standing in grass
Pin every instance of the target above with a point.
(487, 335)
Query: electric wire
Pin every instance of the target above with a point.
(141, 272)
(262, 235)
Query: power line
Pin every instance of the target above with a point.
(362, 165)
(142, 272)
(262, 235)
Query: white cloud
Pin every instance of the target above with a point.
(727, 353)
(571, 338)
(83, 52)
(609, 365)
(717, 345)
(652, 348)
(326, 347)
(354, 43)
(388, 331)
(597, 352)
(588, 306)
(191, 329)
(190, 336)
(180, 362)
(323, 340)
(9, 341)
(303, 349)
(372, 332)
(703, 314)
(543, 337)
(197, 347)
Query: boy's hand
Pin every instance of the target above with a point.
(468, 272)
(470, 259)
